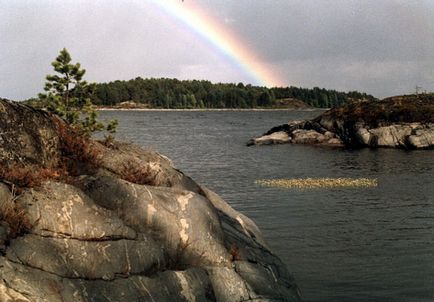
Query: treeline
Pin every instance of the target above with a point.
(319, 97)
(173, 93)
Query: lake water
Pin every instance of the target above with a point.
(359, 244)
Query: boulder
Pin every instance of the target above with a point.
(390, 136)
(422, 137)
(132, 228)
(313, 137)
(364, 136)
(307, 137)
(280, 137)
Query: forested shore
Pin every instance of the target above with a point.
(174, 93)
(191, 94)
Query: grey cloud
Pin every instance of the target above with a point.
(380, 78)
(361, 29)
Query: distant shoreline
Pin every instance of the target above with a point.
(209, 109)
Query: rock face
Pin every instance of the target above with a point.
(99, 237)
(27, 135)
(398, 122)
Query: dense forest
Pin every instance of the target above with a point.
(173, 93)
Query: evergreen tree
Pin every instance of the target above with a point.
(68, 95)
(192, 101)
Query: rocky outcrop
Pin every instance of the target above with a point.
(298, 132)
(399, 122)
(152, 234)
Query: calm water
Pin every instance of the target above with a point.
(374, 244)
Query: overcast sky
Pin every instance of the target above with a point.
(382, 47)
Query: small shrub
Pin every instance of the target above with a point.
(77, 155)
(14, 216)
(235, 252)
(77, 152)
(109, 142)
(27, 176)
(140, 174)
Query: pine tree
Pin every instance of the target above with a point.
(68, 96)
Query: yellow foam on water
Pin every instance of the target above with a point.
(317, 183)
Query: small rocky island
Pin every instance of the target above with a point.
(82, 220)
(397, 122)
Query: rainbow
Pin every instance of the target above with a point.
(216, 33)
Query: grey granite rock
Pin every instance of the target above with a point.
(100, 237)
(164, 244)
(390, 136)
(280, 137)
(423, 137)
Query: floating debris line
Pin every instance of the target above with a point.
(318, 183)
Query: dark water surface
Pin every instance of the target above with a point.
(364, 244)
